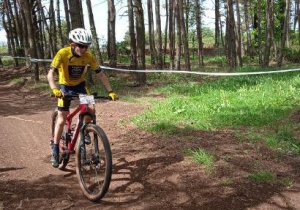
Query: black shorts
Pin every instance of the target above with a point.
(64, 104)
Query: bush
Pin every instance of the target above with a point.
(292, 55)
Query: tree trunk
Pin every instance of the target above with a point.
(187, 7)
(45, 52)
(18, 29)
(230, 35)
(166, 32)
(53, 29)
(76, 14)
(140, 38)
(94, 32)
(24, 37)
(217, 20)
(257, 25)
(238, 35)
(151, 32)
(159, 36)
(268, 41)
(298, 16)
(171, 33)
(178, 32)
(67, 15)
(112, 52)
(184, 35)
(249, 50)
(38, 34)
(284, 32)
(199, 33)
(51, 41)
(9, 16)
(59, 29)
(24, 4)
(132, 35)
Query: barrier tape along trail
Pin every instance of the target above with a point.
(35, 60)
(201, 73)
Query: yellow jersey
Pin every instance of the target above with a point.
(71, 69)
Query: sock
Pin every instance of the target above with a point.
(55, 148)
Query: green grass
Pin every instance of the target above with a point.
(17, 80)
(255, 101)
(263, 176)
(282, 139)
(229, 102)
(3, 49)
(201, 156)
(215, 59)
(7, 62)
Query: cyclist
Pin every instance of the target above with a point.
(70, 63)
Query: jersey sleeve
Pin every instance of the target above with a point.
(57, 60)
(94, 63)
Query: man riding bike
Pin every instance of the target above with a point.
(70, 63)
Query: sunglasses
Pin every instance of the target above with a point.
(82, 46)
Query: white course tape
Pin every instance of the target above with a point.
(35, 60)
(7, 56)
(201, 73)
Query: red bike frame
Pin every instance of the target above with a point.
(83, 109)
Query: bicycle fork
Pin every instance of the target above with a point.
(94, 158)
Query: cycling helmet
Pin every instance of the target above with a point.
(80, 36)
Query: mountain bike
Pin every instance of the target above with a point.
(93, 159)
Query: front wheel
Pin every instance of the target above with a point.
(93, 162)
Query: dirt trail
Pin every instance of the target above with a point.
(149, 172)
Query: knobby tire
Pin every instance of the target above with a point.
(94, 163)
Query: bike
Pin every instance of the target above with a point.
(93, 159)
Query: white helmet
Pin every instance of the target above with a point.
(80, 36)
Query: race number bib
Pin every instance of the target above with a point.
(86, 99)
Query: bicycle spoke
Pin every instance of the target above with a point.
(94, 163)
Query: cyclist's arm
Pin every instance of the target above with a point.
(51, 75)
(104, 80)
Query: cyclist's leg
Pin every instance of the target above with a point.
(91, 107)
(88, 119)
(63, 109)
(61, 120)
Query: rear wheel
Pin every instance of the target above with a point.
(94, 163)
(64, 155)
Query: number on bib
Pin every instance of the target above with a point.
(86, 99)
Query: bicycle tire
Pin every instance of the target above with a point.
(64, 156)
(94, 169)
